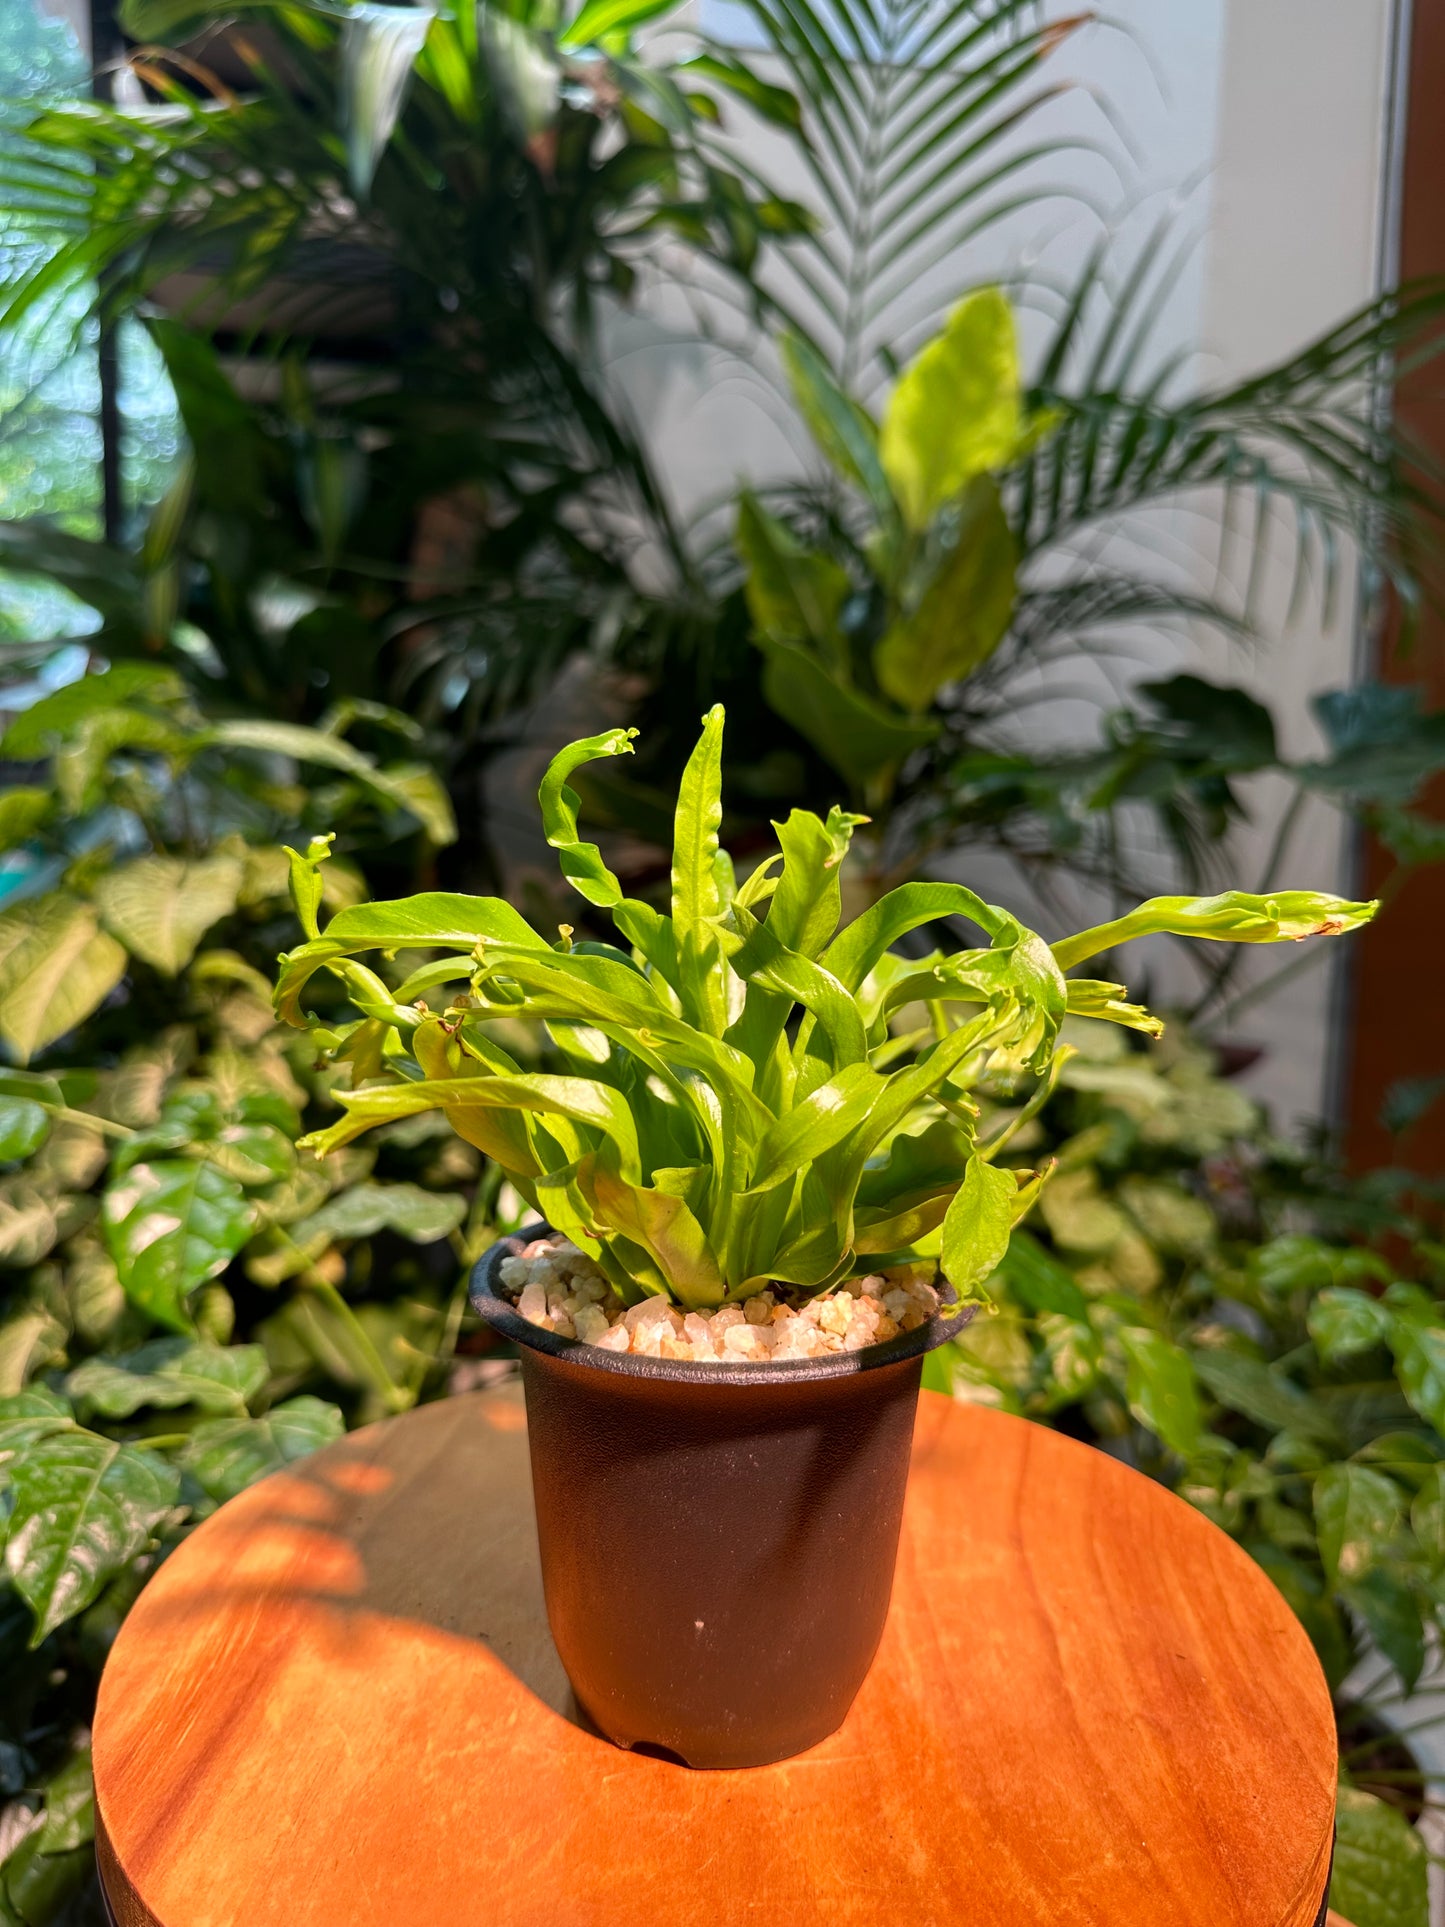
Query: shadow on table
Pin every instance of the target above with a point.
(428, 1526)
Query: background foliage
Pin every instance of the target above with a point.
(411, 495)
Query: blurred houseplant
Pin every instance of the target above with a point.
(1231, 1314)
(901, 607)
(423, 207)
(185, 1302)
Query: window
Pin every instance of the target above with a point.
(52, 449)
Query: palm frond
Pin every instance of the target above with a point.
(915, 140)
(1307, 440)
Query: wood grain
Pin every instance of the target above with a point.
(338, 1703)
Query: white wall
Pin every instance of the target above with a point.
(1265, 120)
(1294, 244)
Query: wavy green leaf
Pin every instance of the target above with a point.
(169, 1372)
(56, 966)
(1357, 1513)
(581, 863)
(855, 951)
(842, 427)
(1160, 1388)
(1343, 1321)
(956, 411)
(858, 737)
(84, 1506)
(22, 811)
(170, 1225)
(161, 906)
(963, 613)
(1381, 1865)
(364, 1209)
(24, 1127)
(433, 920)
(224, 1456)
(793, 594)
(697, 901)
(1236, 916)
(978, 1225)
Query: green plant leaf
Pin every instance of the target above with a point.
(84, 1506)
(1249, 1386)
(581, 863)
(697, 900)
(762, 959)
(978, 1225)
(577, 1099)
(224, 1456)
(56, 966)
(598, 20)
(170, 1225)
(857, 949)
(774, 104)
(956, 410)
(1392, 1615)
(1343, 1322)
(28, 1416)
(378, 48)
(1161, 1390)
(824, 1118)
(24, 1127)
(1087, 998)
(663, 1225)
(842, 428)
(1420, 1364)
(963, 612)
(408, 786)
(227, 446)
(169, 1372)
(160, 906)
(793, 594)
(81, 764)
(364, 1209)
(253, 1154)
(1039, 1281)
(1233, 917)
(433, 920)
(1380, 1872)
(808, 899)
(69, 1806)
(856, 735)
(37, 731)
(22, 811)
(1427, 1517)
(417, 789)
(1357, 1513)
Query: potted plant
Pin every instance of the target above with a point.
(758, 1154)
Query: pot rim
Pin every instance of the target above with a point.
(505, 1319)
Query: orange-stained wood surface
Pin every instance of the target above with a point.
(337, 1705)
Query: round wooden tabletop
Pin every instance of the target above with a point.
(337, 1705)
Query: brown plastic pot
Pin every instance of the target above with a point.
(717, 1541)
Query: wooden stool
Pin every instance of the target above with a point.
(337, 1705)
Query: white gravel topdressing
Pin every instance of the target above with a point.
(559, 1288)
